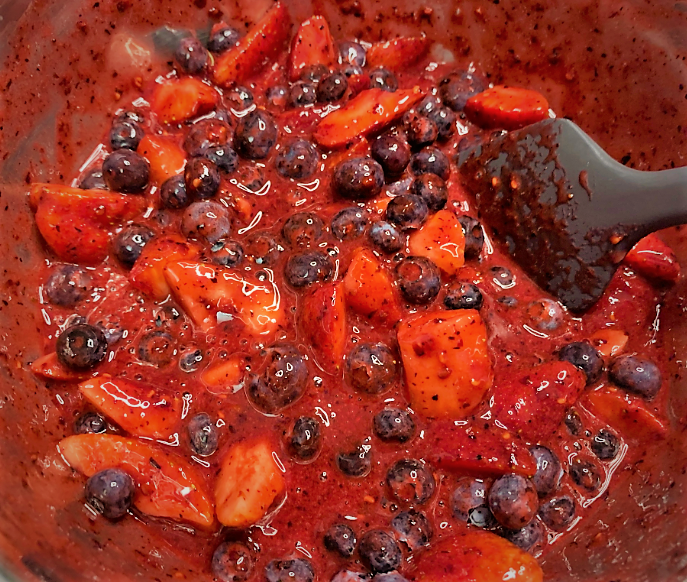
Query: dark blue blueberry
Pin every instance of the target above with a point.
(429, 104)
(222, 38)
(350, 70)
(125, 134)
(206, 220)
(156, 348)
(173, 193)
(302, 93)
(394, 425)
(358, 179)
(304, 269)
(379, 552)
(110, 492)
(90, 423)
(93, 180)
(255, 135)
(636, 375)
(190, 361)
(281, 383)
(387, 577)
(81, 346)
(313, 73)
(67, 285)
(474, 236)
(130, 242)
(202, 178)
(126, 171)
(224, 157)
(296, 570)
(386, 237)
(384, 79)
(349, 223)
(456, 89)
(528, 538)
(392, 152)
(232, 562)
(277, 96)
(331, 87)
(407, 211)
(203, 434)
(418, 279)
(411, 481)
(513, 500)
(303, 230)
(341, 539)
(545, 314)
(239, 99)
(191, 55)
(413, 529)
(205, 134)
(227, 254)
(468, 494)
(502, 277)
(297, 160)
(352, 53)
(305, 440)
(463, 296)
(430, 161)
(558, 513)
(432, 189)
(371, 368)
(549, 471)
(605, 445)
(573, 422)
(421, 131)
(252, 177)
(584, 356)
(585, 474)
(355, 463)
(445, 120)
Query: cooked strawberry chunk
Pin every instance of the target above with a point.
(323, 322)
(312, 45)
(654, 259)
(177, 100)
(506, 107)
(399, 53)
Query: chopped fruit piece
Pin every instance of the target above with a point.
(50, 368)
(323, 323)
(630, 415)
(254, 51)
(369, 111)
(165, 156)
(654, 259)
(397, 54)
(212, 295)
(506, 108)
(554, 387)
(446, 361)
(226, 376)
(76, 224)
(177, 100)
(359, 148)
(312, 45)
(247, 485)
(166, 485)
(369, 290)
(476, 556)
(441, 240)
(140, 409)
(609, 342)
(148, 273)
(358, 83)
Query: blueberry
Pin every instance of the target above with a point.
(227, 254)
(349, 223)
(90, 423)
(584, 356)
(463, 296)
(255, 135)
(156, 348)
(432, 189)
(420, 130)
(305, 440)
(130, 242)
(394, 425)
(205, 134)
(411, 481)
(350, 70)
(545, 314)
(468, 494)
(277, 96)
(474, 236)
(303, 230)
(67, 285)
(528, 538)
(548, 472)
(93, 180)
(350, 576)
(585, 474)
(392, 152)
(352, 52)
(173, 193)
(388, 577)
(307, 268)
(81, 346)
(379, 552)
(206, 220)
(190, 361)
(558, 513)
(429, 104)
(126, 171)
(358, 179)
(482, 517)
(386, 237)
(222, 38)
(412, 528)
(502, 277)
(251, 177)
(384, 79)
(513, 500)
(301, 94)
(297, 160)
(191, 55)
(281, 383)
(202, 434)
(202, 178)
(341, 539)
(605, 445)
(125, 134)
(371, 368)
(110, 492)
(239, 99)
(232, 562)
(456, 89)
(355, 463)
(331, 87)
(430, 161)
(445, 120)
(296, 570)
(313, 73)
(262, 249)
(636, 375)
(418, 279)
(224, 157)
(407, 211)
(573, 422)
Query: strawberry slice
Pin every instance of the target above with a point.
(506, 108)
(553, 386)
(210, 296)
(654, 259)
(397, 54)
(76, 224)
(323, 324)
(312, 45)
(166, 485)
(177, 100)
(442, 241)
(259, 47)
(165, 156)
(248, 484)
(142, 410)
(367, 112)
(369, 290)
(49, 367)
(609, 342)
(225, 376)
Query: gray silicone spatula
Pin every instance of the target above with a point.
(565, 210)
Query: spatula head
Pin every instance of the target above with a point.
(532, 187)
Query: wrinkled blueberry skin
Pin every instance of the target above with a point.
(173, 193)
(585, 474)
(205, 134)
(305, 439)
(411, 481)
(392, 152)
(358, 179)
(421, 131)
(605, 445)
(203, 434)
(340, 538)
(81, 346)
(583, 355)
(379, 552)
(463, 295)
(232, 562)
(549, 470)
(349, 223)
(418, 279)
(355, 463)
(394, 425)
(371, 368)
(67, 285)
(110, 492)
(513, 500)
(191, 55)
(255, 135)
(636, 375)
